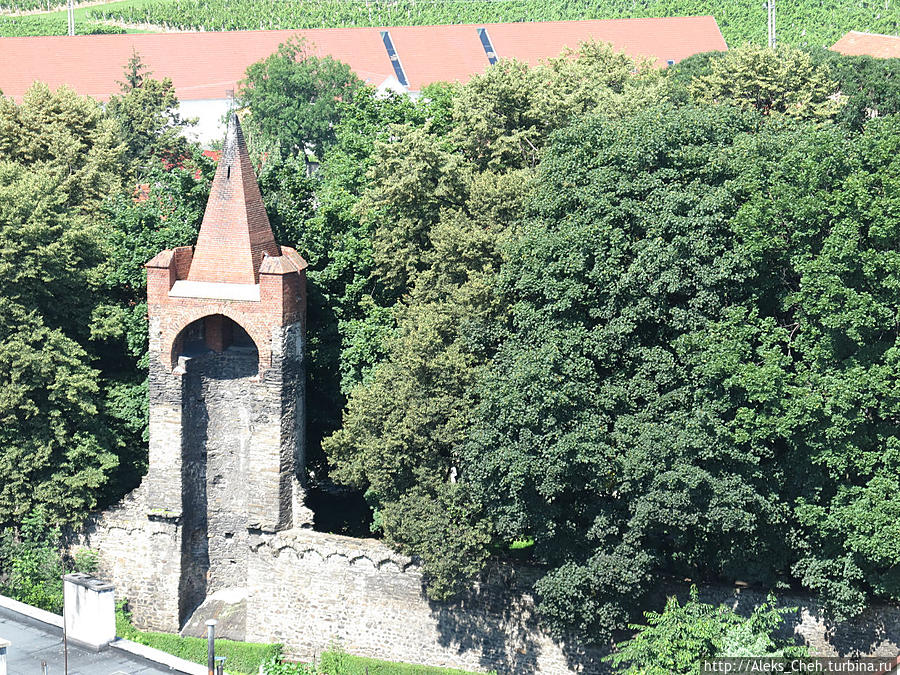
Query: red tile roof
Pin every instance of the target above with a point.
(671, 39)
(855, 43)
(205, 65)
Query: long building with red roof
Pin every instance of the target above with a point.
(204, 66)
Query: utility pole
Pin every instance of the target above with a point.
(71, 12)
(770, 16)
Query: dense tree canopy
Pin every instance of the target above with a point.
(59, 157)
(640, 322)
(620, 346)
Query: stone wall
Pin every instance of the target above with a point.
(310, 590)
(225, 455)
(141, 556)
(220, 400)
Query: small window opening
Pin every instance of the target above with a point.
(228, 173)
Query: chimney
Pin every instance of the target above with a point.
(89, 611)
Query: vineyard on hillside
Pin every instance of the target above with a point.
(804, 22)
(41, 24)
(54, 21)
(28, 5)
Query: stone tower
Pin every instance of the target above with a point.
(226, 392)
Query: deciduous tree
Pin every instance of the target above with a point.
(293, 97)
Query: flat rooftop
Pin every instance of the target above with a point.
(34, 641)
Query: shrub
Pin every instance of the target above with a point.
(676, 641)
(240, 657)
(31, 563)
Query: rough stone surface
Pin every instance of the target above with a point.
(310, 590)
(228, 607)
(140, 555)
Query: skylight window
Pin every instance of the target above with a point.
(488, 47)
(395, 60)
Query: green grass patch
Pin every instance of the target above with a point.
(341, 663)
(245, 658)
(241, 658)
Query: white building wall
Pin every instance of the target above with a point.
(210, 115)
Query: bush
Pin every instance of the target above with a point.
(676, 641)
(240, 657)
(31, 563)
(338, 662)
(276, 666)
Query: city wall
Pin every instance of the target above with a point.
(311, 591)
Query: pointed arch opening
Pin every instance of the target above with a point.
(214, 333)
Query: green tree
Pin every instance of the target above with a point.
(782, 81)
(870, 86)
(676, 641)
(134, 72)
(591, 437)
(440, 202)
(58, 160)
(703, 337)
(55, 451)
(293, 98)
(147, 114)
(347, 318)
(69, 137)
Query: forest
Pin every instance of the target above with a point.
(627, 324)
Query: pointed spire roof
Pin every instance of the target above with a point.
(235, 233)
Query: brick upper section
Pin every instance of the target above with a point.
(236, 270)
(235, 234)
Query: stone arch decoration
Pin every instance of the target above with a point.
(173, 333)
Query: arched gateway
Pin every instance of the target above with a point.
(226, 392)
